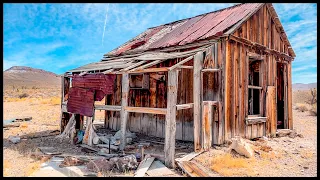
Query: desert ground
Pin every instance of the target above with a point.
(282, 156)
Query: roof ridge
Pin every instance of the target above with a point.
(218, 10)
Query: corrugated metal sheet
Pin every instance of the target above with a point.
(193, 29)
(81, 101)
(101, 83)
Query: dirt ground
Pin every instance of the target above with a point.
(288, 157)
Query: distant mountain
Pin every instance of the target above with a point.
(301, 86)
(19, 76)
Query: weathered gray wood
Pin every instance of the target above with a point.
(107, 107)
(207, 117)
(255, 120)
(152, 63)
(158, 169)
(254, 87)
(184, 106)
(144, 167)
(170, 123)
(186, 67)
(179, 64)
(197, 99)
(149, 70)
(146, 110)
(210, 70)
(123, 112)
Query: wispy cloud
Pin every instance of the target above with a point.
(59, 37)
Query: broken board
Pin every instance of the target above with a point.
(143, 168)
(158, 169)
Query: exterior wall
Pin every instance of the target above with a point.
(261, 29)
(156, 97)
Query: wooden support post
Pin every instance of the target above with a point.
(290, 120)
(62, 100)
(207, 117)
(285, 99)
(197, 99)
(271, 111)
(170, 123)
(123, 112)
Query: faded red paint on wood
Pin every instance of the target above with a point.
(81, 101)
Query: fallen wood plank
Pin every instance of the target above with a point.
(11, 125)
(192, 169)
(88, 147)
(156, 142)
(112, 147)
(189, 156)
(108, 156)
(144, 167)
(158, 169)
(34, 137)
(23, 119)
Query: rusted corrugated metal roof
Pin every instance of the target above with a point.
(201, 27)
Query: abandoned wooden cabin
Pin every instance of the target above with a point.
(204, 79)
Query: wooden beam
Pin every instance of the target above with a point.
(186, 67)
(146, 110)
(254, 87)
(255, 56)
(133, 66)
(207, 117)
(197, 99)
(260, 46)
(181, 63)
(290, 120)
(123, 112)
(210, 70)
(184, 106)
(255, 120)
(152, 63)
(170, 123)
(271, 111)
(163, 69)
(107, 107)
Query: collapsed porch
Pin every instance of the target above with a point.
(174, 70)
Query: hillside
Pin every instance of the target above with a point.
(301, 86)
(22, 76)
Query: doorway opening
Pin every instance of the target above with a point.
(280, 96)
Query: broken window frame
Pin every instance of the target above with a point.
(251, 87)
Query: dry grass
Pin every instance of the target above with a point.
(313, 110)
(32, 167)
(306, 154)
(301, 107)
(227, 165)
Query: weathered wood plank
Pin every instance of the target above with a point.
(170, 130)
(289, 97)
(146, 110)
(227, 90)
(143, 168)
(163, 69)
(271, 110)
(197, 99)
(107, 107)
(207, 116)
(123, 112)
(184, 106)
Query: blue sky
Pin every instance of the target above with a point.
(59, 37)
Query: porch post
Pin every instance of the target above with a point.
(197, 99)
(170, 123)
(123, 112)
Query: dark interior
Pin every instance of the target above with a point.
(253, 78)
(280, 96)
